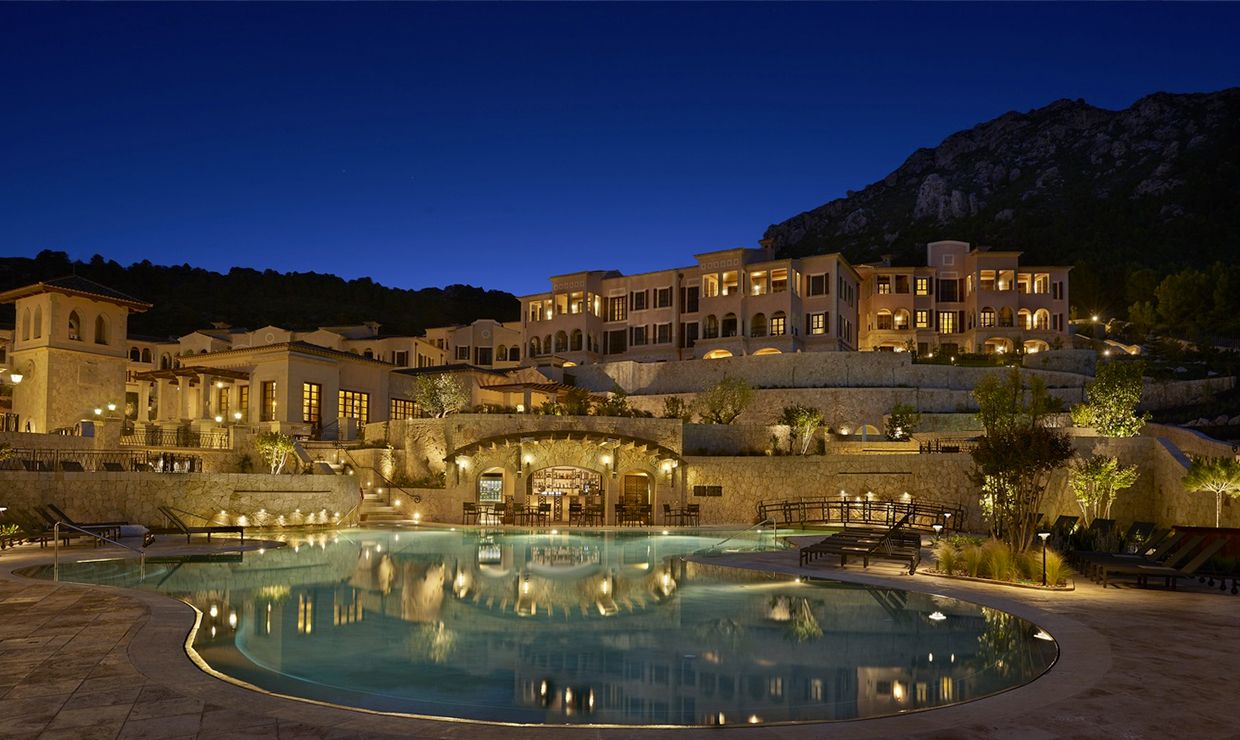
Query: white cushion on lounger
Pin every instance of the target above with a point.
(133, 530)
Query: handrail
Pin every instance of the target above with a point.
(56, 546)
(763, 523)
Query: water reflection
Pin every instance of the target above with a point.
(574, 628)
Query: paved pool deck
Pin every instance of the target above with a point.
(94, 662)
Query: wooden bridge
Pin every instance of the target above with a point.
(922, 515)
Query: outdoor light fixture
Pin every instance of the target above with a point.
(938, 530)
(98, 411)
(236, 416)
(1044, 536)
(16, 378)
(111, 406)
(219, 419)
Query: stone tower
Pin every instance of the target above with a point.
(69, 346)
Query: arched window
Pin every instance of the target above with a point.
(1024, 319)
(575, 344)
(987, 317)
(710, 327)
(101, 329)
(146, 355)
(135, 354)
(26, 324)
(561, 342)
(883, 320)
(37, 330)
(75, 326)
(1005, 316)
(535, 347)
(778, 324)
(901, 319)
(165, 362)
(1042, 320)
(501, 354)
(728, 325)
(757, 325)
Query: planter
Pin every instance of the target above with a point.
(1071, 586)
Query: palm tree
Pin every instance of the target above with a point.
(1217, 475)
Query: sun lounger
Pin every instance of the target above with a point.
(1155, 551)
(1170, 575)
(1172, 559)
(208, 530)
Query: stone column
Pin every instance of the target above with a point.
(161, 399)
(144, 401)
(183, 405)
(204, 396)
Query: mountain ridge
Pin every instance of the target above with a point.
(1153, 185)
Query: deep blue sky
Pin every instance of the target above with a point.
(496, 145)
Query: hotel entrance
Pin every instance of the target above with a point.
(565, 489)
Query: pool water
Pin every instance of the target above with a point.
(590, 628)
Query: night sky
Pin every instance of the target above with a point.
(496, 145)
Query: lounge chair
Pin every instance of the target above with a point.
(107, 529)
(1138, 531)
(113, 467)
(1170, 575)
(1172, 559)
(1154, 551)
(208, 530)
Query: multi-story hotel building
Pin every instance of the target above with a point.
(732, 302)
(963, 300)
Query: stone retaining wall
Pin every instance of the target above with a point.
(235, 498)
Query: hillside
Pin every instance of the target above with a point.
(1155, 185)
(188, 298)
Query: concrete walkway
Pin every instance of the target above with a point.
(94, 662)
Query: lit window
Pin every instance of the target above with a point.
(922, 286)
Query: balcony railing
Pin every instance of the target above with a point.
(152, 437)
(100, 461)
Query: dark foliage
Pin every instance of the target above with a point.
(188, 298)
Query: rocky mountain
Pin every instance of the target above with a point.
(1154, 185)
(187, 298)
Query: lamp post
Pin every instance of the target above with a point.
(1043, 536)
(938, 531)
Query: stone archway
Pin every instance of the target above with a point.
(601, 458)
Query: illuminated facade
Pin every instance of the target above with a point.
(964, 300)
(732, 302)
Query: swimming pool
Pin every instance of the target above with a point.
(610, 628)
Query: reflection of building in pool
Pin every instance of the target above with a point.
(610, 630)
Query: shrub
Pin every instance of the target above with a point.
(1057, 570)
(971, 557)
(997, 561)
(675, 407)
(947, 556)
(901, 422)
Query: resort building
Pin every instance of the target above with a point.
(484, 343)
(963, 300)
(732, 302)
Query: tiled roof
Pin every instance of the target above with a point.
(76, 285)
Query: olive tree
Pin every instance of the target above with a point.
(274, 448)
(439, 394)
(804, 421)
(1217, 475)
(1096, 481)
(1014, 459)
(724, 401)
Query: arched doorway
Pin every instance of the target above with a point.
(563, 488)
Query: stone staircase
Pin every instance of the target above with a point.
(375, 509)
